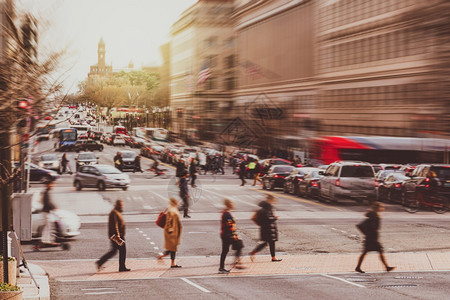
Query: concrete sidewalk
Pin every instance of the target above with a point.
(29, 288)
(85, 270)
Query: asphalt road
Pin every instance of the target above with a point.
(305, 226)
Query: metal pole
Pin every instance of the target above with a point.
(5, 154)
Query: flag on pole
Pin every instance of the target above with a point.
(203, 75)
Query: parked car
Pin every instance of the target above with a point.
(87, 145)
(353, 180)
(275, 176)
(291, 182)
(39, 174)
(128, 159)
(310, 185)
(390, 188)
(100, 177)
(85, 158)
(49, 161)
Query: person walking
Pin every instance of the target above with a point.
(193, 171)
(172, 232)
(257, 173)
(184, 194)
(64, 164)
(137, 164)
(370, 228)
(268, 228)
(47, 207)
(242, 171)
(229, 237)
(116, 226)
(118, 161)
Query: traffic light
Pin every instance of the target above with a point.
(23, 104)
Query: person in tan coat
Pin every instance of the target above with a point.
(172, 232)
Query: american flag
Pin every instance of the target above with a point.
(203, 75)
(252, 70)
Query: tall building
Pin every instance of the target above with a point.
(319, 67)
(100, 69)
(202, 67)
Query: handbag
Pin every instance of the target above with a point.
(237, 244)
(363, 226)
(161, 220)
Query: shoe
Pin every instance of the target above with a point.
(240, 267)
(124, 270)
(187, 216)
(223, 271)
(276, 260)
(175, 266)
(359, 270)
(388, 269)
(97, 263)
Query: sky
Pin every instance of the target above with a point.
(131, 29)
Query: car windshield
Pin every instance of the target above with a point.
(280, 162)
(129, 154)
(47, 157)
(282, 169)
(357, 171)
(400, 176)
(86, 156)
(108, 170)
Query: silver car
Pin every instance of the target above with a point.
(101, 177)
(348, 180)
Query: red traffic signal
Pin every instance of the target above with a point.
(23, 104)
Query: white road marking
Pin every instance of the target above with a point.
(195, 285)
(156, 248)
(343, 280)
(196, 232)
(99, 289)
(148, 238)
(103, 293)
(152, 243)
(147, 207)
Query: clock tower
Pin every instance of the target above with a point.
(101, 53)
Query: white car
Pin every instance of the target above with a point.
(67, 222)
(118, 141)
(49, 161)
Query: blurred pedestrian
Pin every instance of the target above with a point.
(48, 206)
(184, 194)
(229, 237)
(65, 164)
(242, 171)
(116, 226)
(172, 232)
(257, 174)
(267, 222)
(137, 164)
(193, 171)
(370, 228)
(118, 161)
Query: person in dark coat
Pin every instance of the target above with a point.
(242, 171)
(184, 194)
(64, 163)
(116, 225)
(371, 242)
(118, 161)
(229, 237)
(268, 228)
(193, 171)
(47, 207)
(137, 164)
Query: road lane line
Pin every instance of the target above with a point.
(103, 293)
(195, 285)
(230, 197)
(296, 199)
(343, 280)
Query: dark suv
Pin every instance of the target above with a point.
(427, 179)
(87, 145)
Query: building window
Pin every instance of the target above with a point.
(211, 83)
(229, 61)
(229, 84)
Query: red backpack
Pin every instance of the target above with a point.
(161, 220)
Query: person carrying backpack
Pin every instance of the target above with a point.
(267, 222)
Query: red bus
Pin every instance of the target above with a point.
(378, 149)
(119, 130)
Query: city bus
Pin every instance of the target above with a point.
(158, 134)
(378, 149)
(65, 138)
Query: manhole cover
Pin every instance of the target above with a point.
(408, 277)
(396, 285)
